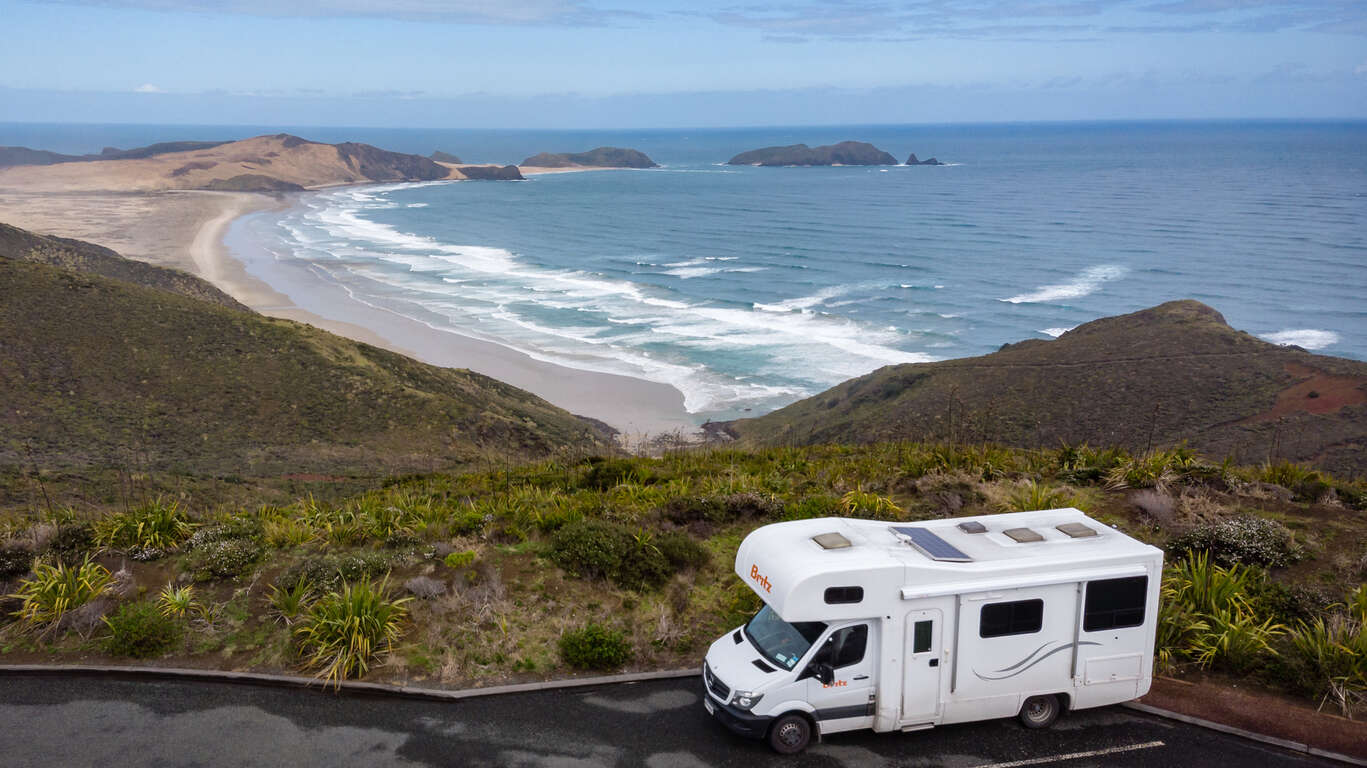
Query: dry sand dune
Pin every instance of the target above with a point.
(281, 157)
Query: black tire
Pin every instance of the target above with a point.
(790, 734)
(1040, 711)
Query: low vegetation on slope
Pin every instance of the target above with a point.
(1173, 372)
(101, 372)
(532, 571)
(80, 256)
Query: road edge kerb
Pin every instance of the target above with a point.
(1294, 746)
(296, 681)
(350, 686)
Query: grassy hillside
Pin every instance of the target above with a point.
(536, 571)
(80, 256)
(1148, 379)
(97, 371)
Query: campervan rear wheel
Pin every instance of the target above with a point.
(790, 734)
(1039, 711)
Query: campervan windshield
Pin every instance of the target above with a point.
(780, 641)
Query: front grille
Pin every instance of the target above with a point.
(716, 686)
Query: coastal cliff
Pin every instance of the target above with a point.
(844, 153)
(601, 157)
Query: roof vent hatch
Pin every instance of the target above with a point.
(1077, 530)
(832, 540)
(1022, 535)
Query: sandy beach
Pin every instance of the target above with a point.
(192, 231)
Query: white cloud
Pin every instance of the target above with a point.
(148, 88)
(1360, 69)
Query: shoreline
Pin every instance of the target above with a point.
(637, 408)
(198, 232)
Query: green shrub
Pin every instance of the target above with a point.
(1033, 496)
(460, 559)
(869, 505)
(177, 602)
(222, 559)
(344, 630)
(604, 474)
(328, 572)
(289, 604)
(1287, 474)
(809, 507)
(72, 542)
(287, 532)
(600, 549)
(247, 528)
(1246, 539)
(55, 590)
(141, 631)
(1208, 617)
(594, 647)
(682, 551)
(15, 560)
(155, 525)
(693, 509)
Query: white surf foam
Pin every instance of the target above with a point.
(1056, 332)
(1085, 284)
(594, 321)
(1305, 338)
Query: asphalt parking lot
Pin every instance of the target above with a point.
(96, 721)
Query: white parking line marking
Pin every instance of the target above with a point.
(1074, 755)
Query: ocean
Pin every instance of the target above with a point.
(749, 288)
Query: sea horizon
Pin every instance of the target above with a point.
(746, 289)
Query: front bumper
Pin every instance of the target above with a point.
(737, 721)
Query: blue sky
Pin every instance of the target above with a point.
(590, 64)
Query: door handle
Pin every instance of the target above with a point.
(860, 677)
(934, 662)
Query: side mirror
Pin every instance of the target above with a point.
(825, 673)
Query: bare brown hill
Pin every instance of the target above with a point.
(264, 163)
(1152, 378)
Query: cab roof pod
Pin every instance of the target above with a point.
(790, 568)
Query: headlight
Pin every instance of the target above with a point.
(746, 699)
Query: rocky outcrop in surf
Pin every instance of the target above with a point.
(601, 157)
(913, 161)
(491, 172)
(844, 153)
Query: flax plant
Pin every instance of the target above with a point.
(55, 590)
(345, 630)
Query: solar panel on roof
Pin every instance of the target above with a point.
(932, 545)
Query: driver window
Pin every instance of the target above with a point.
(844, 647)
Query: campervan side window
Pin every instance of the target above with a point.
(1115, 603)
(844, 647)
(1020, 617)
(843, 595)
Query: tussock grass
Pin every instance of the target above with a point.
(56, 590)
(346, 630)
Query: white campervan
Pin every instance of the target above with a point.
(905, 626)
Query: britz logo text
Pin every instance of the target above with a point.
(760, 578)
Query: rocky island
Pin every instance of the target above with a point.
(601, 157)
(913, 161)
(844, 153)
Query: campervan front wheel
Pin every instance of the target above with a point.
(790, 734)
(1039, 711)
